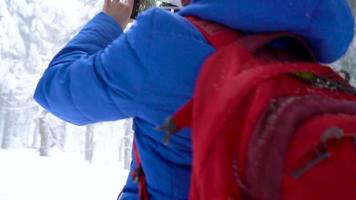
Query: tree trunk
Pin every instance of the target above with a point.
(35, 135)
(6, 138)
(128, 144)
(62, 136)
(44, 134)
(89, 143)
(44, 139)
(121, 147)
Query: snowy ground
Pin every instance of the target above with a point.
(26, 176)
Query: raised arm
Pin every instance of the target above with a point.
(97, 75)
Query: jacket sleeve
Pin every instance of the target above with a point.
(95, 77)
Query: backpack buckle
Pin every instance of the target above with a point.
(137, 173)
(170, 128)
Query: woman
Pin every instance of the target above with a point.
(148, 72)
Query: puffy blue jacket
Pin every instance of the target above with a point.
(104, 74)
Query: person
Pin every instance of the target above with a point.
(148, 72)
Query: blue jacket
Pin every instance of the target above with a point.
(104, 74)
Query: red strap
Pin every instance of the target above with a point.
(139, 175)
(183, 117)
(252, 43)
(217, 35)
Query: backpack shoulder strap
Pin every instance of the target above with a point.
(254, 42)
(219, 36)
(138, 175)
(216, 34)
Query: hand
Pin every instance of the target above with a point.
(119, 10)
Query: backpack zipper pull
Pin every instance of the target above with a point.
(170, 128)
(321, 150)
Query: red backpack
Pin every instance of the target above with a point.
(268, 130)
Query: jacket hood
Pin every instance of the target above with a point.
(327, 25)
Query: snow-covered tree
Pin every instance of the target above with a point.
(348, 63)
(33, 31)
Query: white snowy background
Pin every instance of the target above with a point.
(41, 157)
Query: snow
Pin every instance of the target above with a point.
(32, 32)
(25, 175)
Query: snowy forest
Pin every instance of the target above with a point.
(32, 32)
(39, 153)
